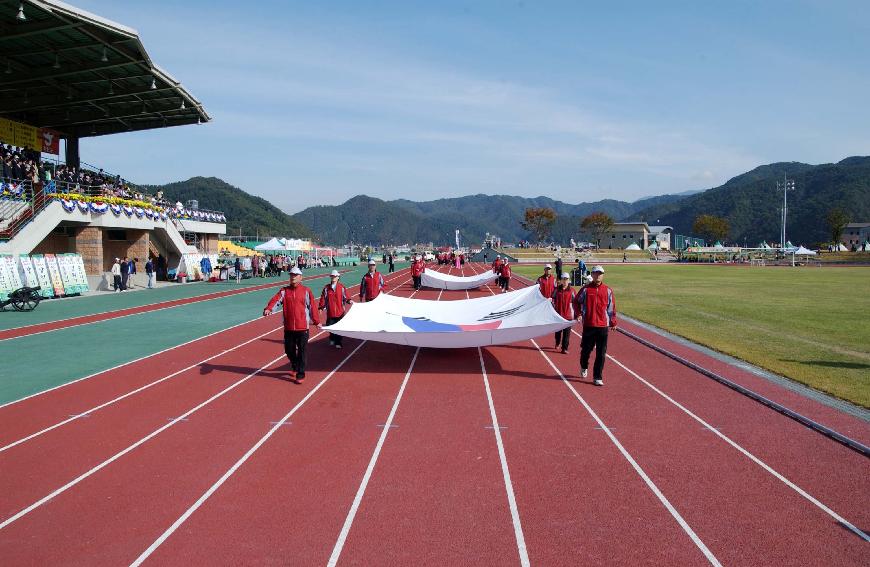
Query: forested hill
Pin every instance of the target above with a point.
(751, 203)
(253, 215)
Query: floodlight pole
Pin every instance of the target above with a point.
(786, 185)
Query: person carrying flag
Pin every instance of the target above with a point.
(372, 283)
(333, 298)
(563, 302)
(299, 312)
(505, 276)
(596, 309)
(417, 269)
(547, 282)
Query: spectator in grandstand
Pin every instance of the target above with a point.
(116, 275)
(547, 282)
(149, 272)
(372, 283)
(299, 312)
(333, 298)
(596, 310)
(563, 302)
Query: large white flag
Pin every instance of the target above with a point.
(493, 320)
(441, 280)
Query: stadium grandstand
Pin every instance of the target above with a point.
(66, 75)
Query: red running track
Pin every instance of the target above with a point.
(433, 490)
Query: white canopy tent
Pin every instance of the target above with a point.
(801, 251)
(273, 244)
(440, 280)
(632, 246)
(499, 319)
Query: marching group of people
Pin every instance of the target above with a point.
(592, 305)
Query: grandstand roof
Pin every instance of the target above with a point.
(83, 75)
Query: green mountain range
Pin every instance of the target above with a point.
(246, 214)
(750, 203)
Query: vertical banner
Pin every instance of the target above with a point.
(42, 275)
(54, 274)
(67, 274)
(8, 276)
(27, 271)
(81, 277)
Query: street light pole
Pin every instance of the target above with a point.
(785, 185)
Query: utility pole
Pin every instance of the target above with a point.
(785, 186)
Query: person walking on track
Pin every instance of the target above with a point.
(596, 310)
(333, 298)
(372, 283)
(299, 312)
(417, 269)
(505, 276)
(547, 282)
(563, 302)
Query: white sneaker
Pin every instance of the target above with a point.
(584, 373)
(598, 382)
(331, 342)
(338, 346)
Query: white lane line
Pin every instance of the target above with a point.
(87, 413)
(652, 486)
(151, 435)
(259, 287)
(345, 529)
(196, 505)
(749, 455)
(509, 488)
(159, 352)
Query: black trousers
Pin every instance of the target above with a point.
(563, 337)
(294, 346)
(594, 337)
(418, 281)
(334, 338)
(116, 280)
(392, 268)
(505, 283)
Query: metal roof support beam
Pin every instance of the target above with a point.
(76, 71)
(34, 30)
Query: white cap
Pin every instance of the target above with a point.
(295, 271)
(498, 255)
(334, 273)
(565, 276)
(372, 263)
(418, 256)
(598, 269)
(548, 267)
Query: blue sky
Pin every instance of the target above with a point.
(316, 102)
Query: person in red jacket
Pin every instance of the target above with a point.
(596, 309)
(299, 312)
(547, 282)
(372, 283)
(563, 302)
(333, 298)
(417, 269)
(505, 276)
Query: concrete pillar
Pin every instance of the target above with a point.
(72, 153)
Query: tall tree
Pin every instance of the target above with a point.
(711, 227)
(539, 221)
(837, 220)
(597, 224)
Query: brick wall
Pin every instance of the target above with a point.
(89, 243)
(54, 243)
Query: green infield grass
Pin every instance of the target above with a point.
(809, 324)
